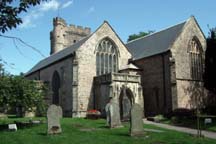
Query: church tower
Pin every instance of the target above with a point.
(57, 35)
(63, 36)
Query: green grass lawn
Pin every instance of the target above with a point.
(83, 131)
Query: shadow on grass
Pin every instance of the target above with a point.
(122, 134)
(13, 116)
(42, 133)
(104, 127)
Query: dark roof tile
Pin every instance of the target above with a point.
(155, 43)
(57, 56)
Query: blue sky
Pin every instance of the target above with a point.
(125, 16)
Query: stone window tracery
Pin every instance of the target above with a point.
(196, 59)
(106, 57)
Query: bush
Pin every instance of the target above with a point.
(210, 110)
(21, 94)
(183, 112)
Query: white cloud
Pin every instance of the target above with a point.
(49, 5)
(28, 19)
(32, 16)
(91, 9)
(27, 23)
(67, 4)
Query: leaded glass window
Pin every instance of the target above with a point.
(106, 57)
(196, 59)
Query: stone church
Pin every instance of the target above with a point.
(161, 71)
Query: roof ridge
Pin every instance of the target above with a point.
(164, 29)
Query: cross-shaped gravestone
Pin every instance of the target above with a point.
(54, 113)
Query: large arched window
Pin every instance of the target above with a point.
(106, 57)
(196, 59)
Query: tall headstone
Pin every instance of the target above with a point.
(113, 115)
(136, 121)
(54, 113)
(107, 109)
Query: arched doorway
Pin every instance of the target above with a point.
(55, 87)
(126, 100)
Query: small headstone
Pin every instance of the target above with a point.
(208, 121)
(54, 113)
(12, 127)
(113, 115)
(136, 121)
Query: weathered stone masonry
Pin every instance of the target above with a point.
(155, 71)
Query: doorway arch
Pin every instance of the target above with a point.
(55, 87)
(126, 100)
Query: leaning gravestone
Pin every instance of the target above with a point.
(113, 115)
(136, 121)
(54, 113)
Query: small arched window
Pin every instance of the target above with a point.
(106, 57)
(196, 59)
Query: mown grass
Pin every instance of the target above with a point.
(83, 131)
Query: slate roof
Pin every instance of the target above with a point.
(58, 56)
(155, 43)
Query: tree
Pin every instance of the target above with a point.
(5, 89)
(210, 62)
(18, 92)
(26, 94)
(141, 34)
(10, 11)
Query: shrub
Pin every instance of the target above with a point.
(183, 112)
(210, 110)
(21, 94)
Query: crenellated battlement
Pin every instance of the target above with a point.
(59, 21)
(79, 29)
(64, 35)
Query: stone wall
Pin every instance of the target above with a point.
(86, 57)
(155, 80)
(76, 91)
(65, 70)
(180, 54)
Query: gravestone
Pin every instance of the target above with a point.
(12, 127)
(54, 113)
(136, 121)
(107, 107)
(113, 115)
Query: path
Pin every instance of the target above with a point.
(182, 129)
